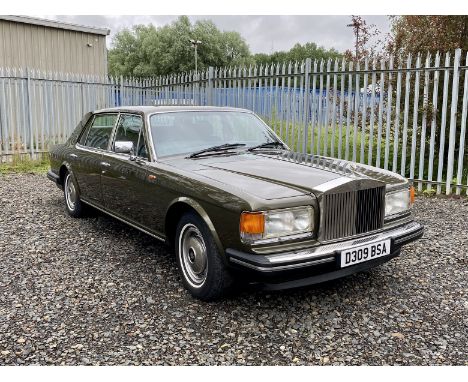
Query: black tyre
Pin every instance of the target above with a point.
(73, 204)
(202, 269)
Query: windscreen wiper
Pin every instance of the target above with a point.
(217, 148)
(267, 145)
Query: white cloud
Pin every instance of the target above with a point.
(262, 33)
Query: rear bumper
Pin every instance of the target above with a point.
(317, 264)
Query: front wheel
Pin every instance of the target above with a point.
(73, 203)
(203, 271)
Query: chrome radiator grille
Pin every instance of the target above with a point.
(352, 213)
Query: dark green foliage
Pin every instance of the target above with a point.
(146, 51)
(297, 53)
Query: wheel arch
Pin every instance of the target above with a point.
(65, 167)
(180, 206)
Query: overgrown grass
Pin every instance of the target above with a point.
(293, 135)
(24, 164)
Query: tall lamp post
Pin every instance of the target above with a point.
(357, 27)
(195, 44)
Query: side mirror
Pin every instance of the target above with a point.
(124, 147)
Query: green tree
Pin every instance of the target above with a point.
(414, 34)
(297, 53)
(431, 34)
(148, 51)
(364, 34)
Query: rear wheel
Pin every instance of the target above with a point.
(203, 271)
(73, 203)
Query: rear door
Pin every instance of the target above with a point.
(124, 176)
(93, 142)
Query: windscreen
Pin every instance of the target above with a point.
(186, 132)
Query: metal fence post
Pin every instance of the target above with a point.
(440, 167)
(210, 89)
(307, 69)
(121, 91)
(453, 120)
(82, 99)
(461, 150)
(30, 125)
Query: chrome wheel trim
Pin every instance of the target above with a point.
(70, 193)
(193, 256)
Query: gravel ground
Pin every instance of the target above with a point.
(94, 291)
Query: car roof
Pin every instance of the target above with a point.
(160, 109)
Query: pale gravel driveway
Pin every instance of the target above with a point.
(94, 291)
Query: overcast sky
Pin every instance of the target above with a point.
(263, 34)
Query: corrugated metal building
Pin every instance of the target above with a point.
(27, 42)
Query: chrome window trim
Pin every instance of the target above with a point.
(114, 131)
(82, 132)
(150, 135)
(81, 147)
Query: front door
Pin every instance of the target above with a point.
(86, 163)
(124, 175)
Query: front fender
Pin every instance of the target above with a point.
(204, 215)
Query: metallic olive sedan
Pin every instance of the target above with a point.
(230, 198)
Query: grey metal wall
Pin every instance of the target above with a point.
(25, 45)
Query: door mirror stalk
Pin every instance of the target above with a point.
(136, 159)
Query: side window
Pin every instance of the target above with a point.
(100, 131)
(130, 129)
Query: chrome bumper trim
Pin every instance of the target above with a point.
(283, 267)
(322, 253)
(331, 248)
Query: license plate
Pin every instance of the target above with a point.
(356, 255)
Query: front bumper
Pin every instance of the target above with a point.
(317, 264)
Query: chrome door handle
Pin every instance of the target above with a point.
(105, 164)
(73, 156)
